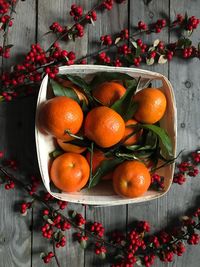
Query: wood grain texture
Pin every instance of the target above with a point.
(110, 217)
(156, 211)
(16, 139)
(184, 77)
(17, 133)
(48, 12)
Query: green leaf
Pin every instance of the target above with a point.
(125, 105)
(105, 167)
(138, 51)
(109, 76)
(54, 154)
(81, 83)
(83, 244)
(150, 143)
(130, 83)
(60, 90)
(166, 144)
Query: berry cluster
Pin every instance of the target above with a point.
(159, 25)
(124, 34)
(5, 52)
(142, 25)
(97, 228)
(157, 181)
(35, 182)
(79, 30)
(56, 27)
(187, 168)
(24, 206)
(47, 258)
(106, 39)
(76, 12)
(81, 238)
(107, 4)
(62, 204)
(5, 20)
(192, 23)
(91, 16)
(104, 58)
(99, 249)
(124, 49)
(79, 219)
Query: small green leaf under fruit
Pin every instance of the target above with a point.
(165, 141)
(105, 167)
(109, 76)
(60, 90)
(54, 154)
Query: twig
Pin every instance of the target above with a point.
(40, 199)
(5, 36)
(55, 254)
(62, 35)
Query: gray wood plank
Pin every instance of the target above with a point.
(109, 22)
(48, 12)
(184, 76)
(16, 139)
(156, 212)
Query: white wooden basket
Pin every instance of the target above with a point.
(103, 193)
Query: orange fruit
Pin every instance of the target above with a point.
(77, 90)
(109, 92)
(67, 147)
(131, 179)
(98, 157)
(70, 172)
(104, 126)
(151, 105)
(60, 114)
(130, 130)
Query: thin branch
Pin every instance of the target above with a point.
(55, 254)
(5, 35)
(40, 199)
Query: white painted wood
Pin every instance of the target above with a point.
(104, 194)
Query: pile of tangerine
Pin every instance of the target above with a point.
(70, 172)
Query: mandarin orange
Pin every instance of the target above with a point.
(60, 114)
(70, 172)
(131, 179)
(104, 126)
(151, 105)
(109, 92)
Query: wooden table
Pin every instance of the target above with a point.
(20, 237)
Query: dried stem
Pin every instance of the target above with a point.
(55, 254)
